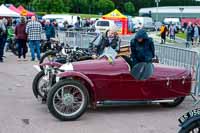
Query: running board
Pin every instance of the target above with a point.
(110, 103)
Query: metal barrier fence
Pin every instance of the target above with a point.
(74, 38)
(168, 55)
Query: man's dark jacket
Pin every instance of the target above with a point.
(144, 51)
(104, 42)
(50, 31)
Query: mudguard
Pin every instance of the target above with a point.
(190, 121)
(189, 118)
(52, 64)
(82, 76)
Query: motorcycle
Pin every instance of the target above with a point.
(50, 48)
(190, 122)
(12, 46)
(71, 54)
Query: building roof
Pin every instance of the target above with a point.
(171, 9)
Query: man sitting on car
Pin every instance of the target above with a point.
(142, 48)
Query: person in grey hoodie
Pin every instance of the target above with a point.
(142, 48)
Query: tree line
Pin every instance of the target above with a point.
(129, 7)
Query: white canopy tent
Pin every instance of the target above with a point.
(6, 12)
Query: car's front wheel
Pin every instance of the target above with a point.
(68, 100)
(176, 102)
(39, 85)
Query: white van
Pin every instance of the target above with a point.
(102, 25)
(146, 22)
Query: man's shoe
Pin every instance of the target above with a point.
(32, 59)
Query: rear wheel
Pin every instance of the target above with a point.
(191, 128)
(176, 102)
(68, 100)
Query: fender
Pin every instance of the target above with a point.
(52, 64)
(190, 121)
(82, 76)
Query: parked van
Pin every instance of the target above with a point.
(146, 22)
(102, 25)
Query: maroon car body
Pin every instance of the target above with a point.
(106, 81)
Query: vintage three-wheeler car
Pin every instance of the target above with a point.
(95, 82)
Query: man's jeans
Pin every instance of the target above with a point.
(34, 46)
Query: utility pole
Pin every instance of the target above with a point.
(181, 10)
(157, 6)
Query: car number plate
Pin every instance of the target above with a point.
(188, 115)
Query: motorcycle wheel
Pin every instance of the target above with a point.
(13, 48)
(48, 56)
(68, 100)
(192, 128)
(37, 91)
(176, 102)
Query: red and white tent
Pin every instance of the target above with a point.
(13, 8)
(6, 12)
(25, 12)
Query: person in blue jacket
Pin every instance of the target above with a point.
(49, 30)
(142, 48)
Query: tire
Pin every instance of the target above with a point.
(55, 92)
(35, 85)
(14, 48)
(46, 55)
(176, 102)
(190, 127)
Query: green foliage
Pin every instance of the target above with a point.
(49, 5)
(129, 8)
(105, 6)
(94, 6)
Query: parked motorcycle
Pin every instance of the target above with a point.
(190, 122)
(50, 48)
(12, 46)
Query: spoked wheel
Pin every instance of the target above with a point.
(40, 85)
(68, 100)
(192, 128)
(48, 57)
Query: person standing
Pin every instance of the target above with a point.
(5, 35)
(50, 33)
(21, 36)
(189, 34)
(163, 33)
(196, 34)
(78, 25)
(172, 32)
(2, 32)
(49, 30)
(142, 48)
(34, 31)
